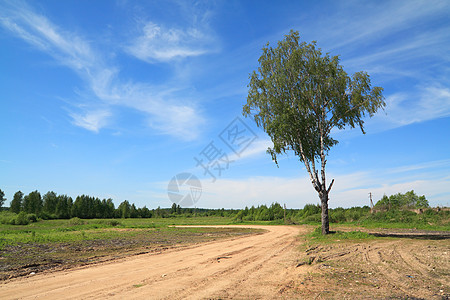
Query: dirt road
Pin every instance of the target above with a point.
(278, 264)
(251, 267)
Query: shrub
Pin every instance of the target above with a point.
(32, 218)
(21, 219)
(316, 218)
(114, 223)
(76, 221)
(311, 209)
(337, 216)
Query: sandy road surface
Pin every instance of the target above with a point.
(248, 267)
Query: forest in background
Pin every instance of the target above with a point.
(398, 208)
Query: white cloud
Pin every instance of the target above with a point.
(255, 149)
(158, 43)
(427, 103)
(444, 163)
(91, 120)
(37, 30)
(348, 190)
(397, 43)
(402, 53)
(166, 112)
(357, 23)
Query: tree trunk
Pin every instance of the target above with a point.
(325, 218)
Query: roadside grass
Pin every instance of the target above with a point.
(369, 224)
(399, 225)
(336, 236)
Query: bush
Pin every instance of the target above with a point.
(47, 216)
(311, 209)
(76, 221)
(114, 223)
(408, 200)
(21, 219)
(32, 218)
(394, 216)
(317, 218)
(337, 215)
(7, 217)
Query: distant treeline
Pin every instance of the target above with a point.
(33, 206)
(53, 206)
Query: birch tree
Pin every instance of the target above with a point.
(298, 95)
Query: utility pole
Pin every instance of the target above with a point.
(285, 213)
(371, 203)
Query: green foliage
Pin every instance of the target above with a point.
(2, 198)
(64, 206)
(124, 210)
(76, 221)
(32, 203)
(429, 219)
(114, 223)
(407, 200)
(316, 218)
(7, 217)
(298, 95)
(260, 213)
(21, 218)
(311, 209)
(50, 200)
(16, 202)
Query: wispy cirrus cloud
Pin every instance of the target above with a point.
(404, 43)
(166, 111)
(355, 24)
(91, 120)
(157, 43)
(409, 107)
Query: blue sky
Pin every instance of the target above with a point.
(114, 98)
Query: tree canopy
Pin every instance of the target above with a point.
(407, 200)
(298, 95)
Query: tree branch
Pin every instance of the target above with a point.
(329, 188)
(314, 178)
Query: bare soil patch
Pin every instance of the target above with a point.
(30, 258)
(413, 265)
